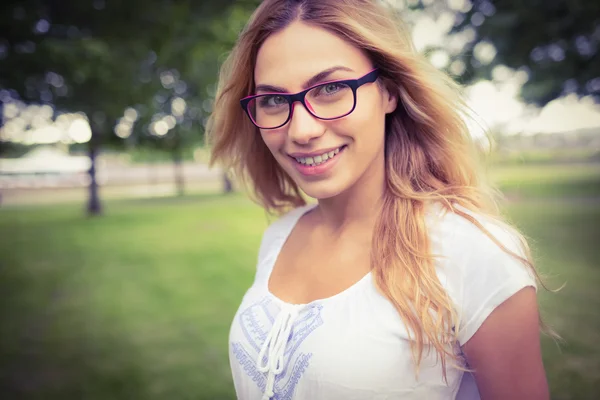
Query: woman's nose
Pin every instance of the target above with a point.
(303, 125)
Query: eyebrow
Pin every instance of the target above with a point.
(321, 76)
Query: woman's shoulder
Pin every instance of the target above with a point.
(459, 231)
(474, 266)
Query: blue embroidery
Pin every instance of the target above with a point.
(251, 326)
(256, 321)
(249, 366)
(299, 367)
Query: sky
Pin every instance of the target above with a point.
(496, 102)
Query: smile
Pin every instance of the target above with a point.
(318, 159)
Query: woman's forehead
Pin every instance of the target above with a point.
(298, 52)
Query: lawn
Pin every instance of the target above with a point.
(137, 304)
(554, 180)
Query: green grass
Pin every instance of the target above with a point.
(543, 181)
(545, 156)
(564, 240)
(137, 304)
(133, 305)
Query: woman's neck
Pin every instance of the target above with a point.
(359, 205)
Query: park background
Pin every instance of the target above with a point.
(123, 256)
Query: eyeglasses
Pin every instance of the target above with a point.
(326, 101)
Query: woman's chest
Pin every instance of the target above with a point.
(303, 274)
(337, 350)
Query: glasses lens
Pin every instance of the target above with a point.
(330, 100)
(269, 111)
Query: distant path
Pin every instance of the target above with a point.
(17, 197)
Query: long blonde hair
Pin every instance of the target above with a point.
(430, 155)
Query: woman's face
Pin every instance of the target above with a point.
(348, 150)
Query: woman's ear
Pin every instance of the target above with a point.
(390, 101)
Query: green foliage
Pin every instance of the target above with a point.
(556, 41)
(107, 53)
(189, 60)
(101, 57)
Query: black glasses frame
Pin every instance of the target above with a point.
(291, 98)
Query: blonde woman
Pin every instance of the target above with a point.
(401, 281)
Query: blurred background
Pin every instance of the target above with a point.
(123, 256)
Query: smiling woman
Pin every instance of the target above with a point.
(402, 282)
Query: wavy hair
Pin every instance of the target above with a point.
(429, 155)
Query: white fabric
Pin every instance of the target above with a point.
(274, 346)
(353, 345)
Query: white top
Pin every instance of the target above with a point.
(353, 345)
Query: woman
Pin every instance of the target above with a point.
(402, 282)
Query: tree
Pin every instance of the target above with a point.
(187, 75)
(97, 57)
(555, 41)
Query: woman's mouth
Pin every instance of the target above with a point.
(319, 159)
(319, 164)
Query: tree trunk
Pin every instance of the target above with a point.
(178, 164)
(94, 207)
(227, 185)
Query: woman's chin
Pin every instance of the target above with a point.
(320, 190)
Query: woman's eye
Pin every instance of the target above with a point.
(272, 101)
(331, 88)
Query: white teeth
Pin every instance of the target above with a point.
(317, 160)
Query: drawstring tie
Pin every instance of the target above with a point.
(274, 347)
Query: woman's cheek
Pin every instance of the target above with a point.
(272, 140)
